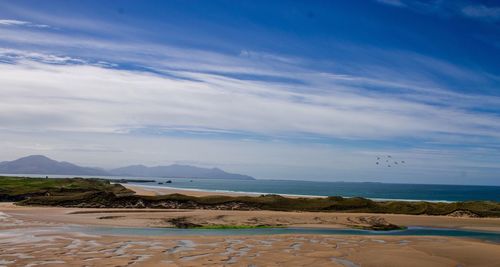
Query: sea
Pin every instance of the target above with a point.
(375, 191)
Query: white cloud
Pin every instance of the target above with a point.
(87, 98)
(11, 22)
(59, 95)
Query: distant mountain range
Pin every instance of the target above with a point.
(38, 164)
(177, 171)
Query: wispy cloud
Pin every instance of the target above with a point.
(212, 101)
(199, 89)
(397, 3)
(15, 55)
(106, 93)
(482, 12)
(471, 10)
(11, 22)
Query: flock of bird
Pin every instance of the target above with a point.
(388, 160)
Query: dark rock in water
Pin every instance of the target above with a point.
(160, 183)
(169, 181)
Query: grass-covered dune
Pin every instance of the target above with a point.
(92, 193)
(23, 188)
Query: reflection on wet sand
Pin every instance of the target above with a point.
(32, 243)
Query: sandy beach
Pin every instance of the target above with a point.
(32, 236)
(250, 133)
(161, 218)
(310, 219)
(155, 191)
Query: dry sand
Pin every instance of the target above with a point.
(155, 191)
(311, 219)
(161, 218)
(32, 236)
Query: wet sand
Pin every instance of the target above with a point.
(310, 219)
(35, 236)
(162, 217)
(38, 240)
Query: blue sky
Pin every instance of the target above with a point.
(310, 90)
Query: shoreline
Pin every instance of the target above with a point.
(40, 235)
(155, 218)
(147, 217)
(74, 249)
(153, 190)
(154, 186)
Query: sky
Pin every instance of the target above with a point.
(307, 90)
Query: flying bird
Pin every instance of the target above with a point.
(392, 163)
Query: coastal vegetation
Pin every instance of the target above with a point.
(186, 223)
(221, 227)
(99, 193)
(23, 188)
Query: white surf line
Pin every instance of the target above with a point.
(158, 190)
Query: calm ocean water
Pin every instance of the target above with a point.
(346, 189)
(367, 190)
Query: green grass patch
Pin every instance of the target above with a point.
(235, 226)
(98, 193)
(24, 187)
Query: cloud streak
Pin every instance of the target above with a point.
(397, 3)
(482, 12)
(12, 22)
(470, 10)
(67, 97)
(259, 112)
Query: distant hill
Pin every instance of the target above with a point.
(38, 164)
(178, 171)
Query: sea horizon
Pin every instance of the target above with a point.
(377, 191)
